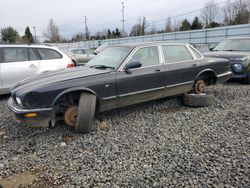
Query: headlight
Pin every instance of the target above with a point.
(238, 66)
(18, 100)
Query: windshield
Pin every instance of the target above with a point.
(234, 45)
(111, 57)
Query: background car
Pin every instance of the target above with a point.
(18, 62)
(80, 56)
(237, 51)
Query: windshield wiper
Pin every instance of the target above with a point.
(101, 67)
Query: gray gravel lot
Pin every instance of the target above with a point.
(155, 144)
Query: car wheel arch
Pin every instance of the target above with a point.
(75, 90)
(208, 73)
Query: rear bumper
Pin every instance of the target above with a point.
(42, 119)
(221, 78)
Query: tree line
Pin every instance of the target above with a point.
(234, 12)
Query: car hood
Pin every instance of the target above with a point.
(226, 54)
(53, 77)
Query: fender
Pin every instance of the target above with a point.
(74, 89)
(205, 70)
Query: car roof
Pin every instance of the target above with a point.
(138, 44)
(28, 45)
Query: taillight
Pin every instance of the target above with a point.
(70, 64)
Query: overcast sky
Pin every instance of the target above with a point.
(101, 14)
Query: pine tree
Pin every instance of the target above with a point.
(28, 38)
(185, 25)
(196, 24)
(9, 35)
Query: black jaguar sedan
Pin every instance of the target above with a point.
(237, 51)
(118, 76)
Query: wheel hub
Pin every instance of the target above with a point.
(200, 87)
(70, 116)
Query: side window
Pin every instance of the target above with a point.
(175, 53)
(15, 54)
(32, 54)
(88, 51)
(196, 53)
(48, 54)
(147, 56)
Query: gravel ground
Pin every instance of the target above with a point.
(155, 144)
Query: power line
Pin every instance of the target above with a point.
(140, 4)
(190, 12)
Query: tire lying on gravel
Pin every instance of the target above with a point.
(197, 100)
(86, 113)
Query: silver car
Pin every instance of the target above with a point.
(80, 55)
(18, 62)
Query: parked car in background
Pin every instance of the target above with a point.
(118, 76)
(18, 62)
(237, 51)
(101, 48)
(80, 56)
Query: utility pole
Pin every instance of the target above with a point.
(35, 35)
(86, 27)
(123, 20)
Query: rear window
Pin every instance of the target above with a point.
(176, 53)
(1, 57)
(15, 54)
(49, 54)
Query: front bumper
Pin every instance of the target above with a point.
(42, 119)
(239, 73)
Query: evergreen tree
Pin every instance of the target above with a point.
(28, 38)
(196, 24)
(9, 35)
(117, 33)
(109, 34)
(185, 25)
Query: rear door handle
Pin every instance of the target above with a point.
(157, 70)
(32, 66)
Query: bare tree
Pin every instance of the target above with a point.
(209, 13)
(236, 12)
(52, 32)
(168, 26)
(153, 29)
(139, 28)
(144, 25)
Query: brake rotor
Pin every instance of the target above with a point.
(200, 87)
(70, 116)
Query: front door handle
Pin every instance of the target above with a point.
(194, 64)
(32, 66)
(157, 70)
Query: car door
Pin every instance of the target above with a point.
(17, 65)
(143, 83)
(181, 68)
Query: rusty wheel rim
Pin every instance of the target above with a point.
(200, 87)
(70, 116)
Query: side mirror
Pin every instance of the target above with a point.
(211, 49)
(132, 65)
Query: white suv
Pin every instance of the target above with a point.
(18, 62)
